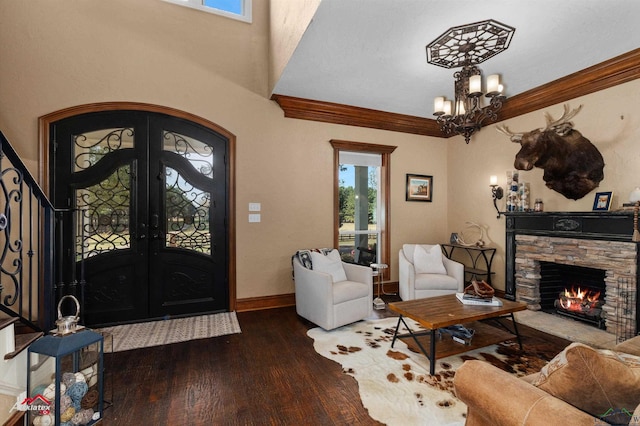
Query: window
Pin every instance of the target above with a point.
(236, 9)
(361, 201)
(359, 206)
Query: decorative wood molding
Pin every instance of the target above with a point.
(266, 302)
(619, 70)
(327, 112)
(341, 145)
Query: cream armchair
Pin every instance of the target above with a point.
(425, 272)
(330, 303)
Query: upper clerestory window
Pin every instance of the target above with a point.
(235, 9)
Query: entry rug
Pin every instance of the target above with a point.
(164, 332)
(394, 383)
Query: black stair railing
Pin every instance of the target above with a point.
(27, 226)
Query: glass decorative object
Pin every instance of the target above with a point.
(523, 196)
(539, 205)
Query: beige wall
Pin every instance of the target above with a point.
(609, 119)
(61, 53)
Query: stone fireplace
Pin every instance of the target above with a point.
(596, 240)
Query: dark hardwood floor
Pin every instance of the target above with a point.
(267, 375)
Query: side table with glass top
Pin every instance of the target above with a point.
(378, 271)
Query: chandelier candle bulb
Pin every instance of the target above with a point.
(447, 108)
(493, 84)
(460, 110)
(438, 105)
(475, 85)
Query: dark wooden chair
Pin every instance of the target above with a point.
(365, 256)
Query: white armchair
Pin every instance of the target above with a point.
(421, 275)
(332, 304)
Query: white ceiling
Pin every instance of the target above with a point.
(371, 53)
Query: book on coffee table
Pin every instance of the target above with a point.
(478, 301)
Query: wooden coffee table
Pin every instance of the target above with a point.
(441, 311)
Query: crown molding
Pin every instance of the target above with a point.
(328, 112)
(619, 70)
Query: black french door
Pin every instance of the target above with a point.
(147, 228)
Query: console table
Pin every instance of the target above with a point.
(479, 260)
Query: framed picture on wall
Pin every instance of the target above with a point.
(419, 188)
(602, 200)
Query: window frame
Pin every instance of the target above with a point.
(245, 16)
(384, 220)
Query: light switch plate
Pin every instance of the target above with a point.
(254, 217)
(254, 207)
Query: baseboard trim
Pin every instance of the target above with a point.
(389, 287)
(285, 300)
(265, 302)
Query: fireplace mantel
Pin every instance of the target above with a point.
(608, 226)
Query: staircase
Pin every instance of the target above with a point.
(15, 338)
(27, 288)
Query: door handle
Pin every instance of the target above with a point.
(143, 231)
(154, 221)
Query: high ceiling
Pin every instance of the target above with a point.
(371, 53)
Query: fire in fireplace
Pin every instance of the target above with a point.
(573, 291)
(581, 303)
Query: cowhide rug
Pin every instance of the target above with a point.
(394, 383)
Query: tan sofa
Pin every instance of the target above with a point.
(495, 397)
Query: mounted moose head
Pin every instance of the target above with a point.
(572, 164)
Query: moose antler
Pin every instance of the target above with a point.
(515, 137)
(562, 125)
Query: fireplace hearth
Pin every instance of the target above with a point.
(596, 243)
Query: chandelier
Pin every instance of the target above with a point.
(466, 46)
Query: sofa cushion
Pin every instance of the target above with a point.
(428, 260)
(629, 346)
(595, 381)
(345, 291)
(304, 256)
(435, 282)
(331, 263)
(409, 249)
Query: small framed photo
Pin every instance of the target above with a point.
(602, 200)
(419, 188)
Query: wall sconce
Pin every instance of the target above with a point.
(496, 193)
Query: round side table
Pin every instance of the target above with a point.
(378, 303)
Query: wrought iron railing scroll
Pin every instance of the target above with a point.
(27, 225)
